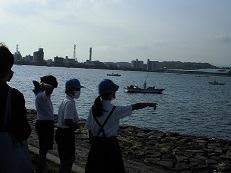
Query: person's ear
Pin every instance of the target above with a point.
(10, 75)
(112, 96)
(70, 91)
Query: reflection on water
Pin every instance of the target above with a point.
(188, 105)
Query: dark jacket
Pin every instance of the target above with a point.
(19, 122)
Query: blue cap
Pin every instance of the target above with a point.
(107, 86)
(73, 83)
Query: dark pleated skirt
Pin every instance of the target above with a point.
(104, 156)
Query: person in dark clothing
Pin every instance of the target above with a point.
(19, 125)
(19, 122)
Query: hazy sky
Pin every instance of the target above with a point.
(120, 30)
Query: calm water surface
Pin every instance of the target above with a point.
(188, 105)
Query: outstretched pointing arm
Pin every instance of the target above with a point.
(143, 105)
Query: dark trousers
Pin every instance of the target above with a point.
(45, 131)
(65, 139)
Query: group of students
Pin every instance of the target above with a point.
(67, 121)
(102, 122)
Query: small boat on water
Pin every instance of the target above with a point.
(216, 83)
(145, 89)
(136, 89)
(114, 74)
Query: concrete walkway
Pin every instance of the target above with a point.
(56, 160)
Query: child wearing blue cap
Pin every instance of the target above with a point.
(103, 124)
(67, 124)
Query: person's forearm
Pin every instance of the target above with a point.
(47, 87)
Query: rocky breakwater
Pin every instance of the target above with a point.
(153, 151)
(171, 152)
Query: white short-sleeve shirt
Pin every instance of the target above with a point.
(112, 126)
(44, 106)
(67, 110)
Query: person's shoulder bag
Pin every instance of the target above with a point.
(14, 155)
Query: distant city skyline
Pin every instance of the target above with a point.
(120, 31)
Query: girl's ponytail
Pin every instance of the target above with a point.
(97, 108)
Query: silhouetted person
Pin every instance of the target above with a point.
(17, 122)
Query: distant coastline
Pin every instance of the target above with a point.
(170, 67)
(206, 72)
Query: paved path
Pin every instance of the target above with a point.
(56, 160)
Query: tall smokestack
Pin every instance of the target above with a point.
(90, 54)
(74, 56)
